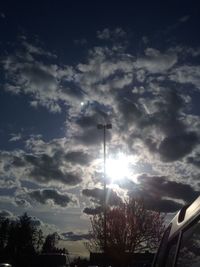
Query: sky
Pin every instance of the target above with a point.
(66, 66)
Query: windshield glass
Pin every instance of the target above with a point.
(189, 254)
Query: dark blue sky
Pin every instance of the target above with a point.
(68, 65)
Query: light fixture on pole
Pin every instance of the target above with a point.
(104, 127)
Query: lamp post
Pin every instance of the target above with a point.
(104, 127)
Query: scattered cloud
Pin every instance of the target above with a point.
(163, 187)
(42, 168)
(22, 203)
(156, 62)
(15, 137)
(71, 236)
(107, 34)
(2, 15)
(186, 75)
(46, 168)
(42, 196)
(163, 205)
(81, 42)
(97, 196)
(176, 147)
(5, 213)
(93, 211)
(146, 96)
(78, 157)
(184, 18)
(143, 79)
(162, 194)
(195, 160)
(45, 83)
(32, 49)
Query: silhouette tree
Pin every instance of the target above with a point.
(23, 240)
(80, 262)
(39, 240)
(130, 228)
(4, 232)
(27, 234)
(4, 235)
(50, 243)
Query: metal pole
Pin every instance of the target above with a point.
(104, 127)
(104, 152)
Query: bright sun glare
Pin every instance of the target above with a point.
(118, 167)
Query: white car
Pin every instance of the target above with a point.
(180, 245)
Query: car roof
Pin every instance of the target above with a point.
(184, 217)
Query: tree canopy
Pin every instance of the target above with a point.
(50, 243)
(21, 240)
(130, 228)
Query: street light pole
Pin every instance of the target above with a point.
(104, 127)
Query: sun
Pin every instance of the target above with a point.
(118, 167)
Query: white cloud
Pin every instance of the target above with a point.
(81, 42)
(51, 196)
(2, 15)
(6, 213)
(37, 50)
(115, 86)
(15, 137)
(104, 72)
(184, 18)
(145, 39)
(99, 67)
(186, 74)
(57, 163)
(108, 34)
(156, 62)
(42, 82)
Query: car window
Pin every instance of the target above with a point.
(189, 253)
(169, 260)
(163, 247)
